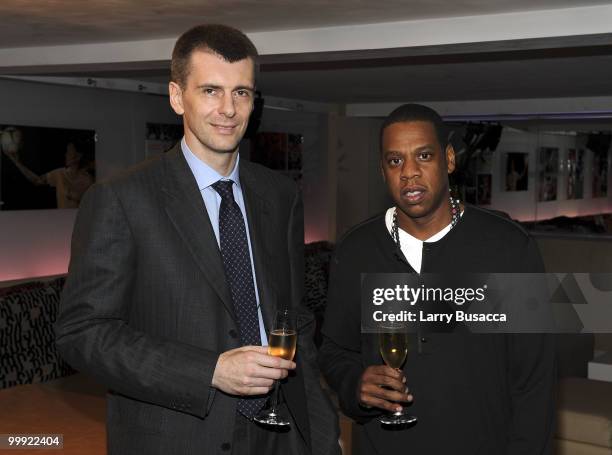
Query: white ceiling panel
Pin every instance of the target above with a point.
(60, 22)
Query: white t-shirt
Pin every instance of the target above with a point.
(411, 246)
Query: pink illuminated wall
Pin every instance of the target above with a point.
(34, 243)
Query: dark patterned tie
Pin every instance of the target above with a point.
(239, 275)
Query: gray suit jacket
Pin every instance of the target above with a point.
(147, 311)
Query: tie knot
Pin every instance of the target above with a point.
(224, 188)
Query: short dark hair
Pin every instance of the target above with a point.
(228, 43)
(417, 113)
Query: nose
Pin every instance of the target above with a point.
(227, 107)
(410, 169)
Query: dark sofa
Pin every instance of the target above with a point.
(27, 340)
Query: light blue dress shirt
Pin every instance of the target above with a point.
(205, 176)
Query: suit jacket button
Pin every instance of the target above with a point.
(226, 446)
(233, 333)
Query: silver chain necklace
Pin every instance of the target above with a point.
(454, 210)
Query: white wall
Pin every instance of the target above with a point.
(36, 243)
(524, 205)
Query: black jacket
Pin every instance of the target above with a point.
(147, 310)
(473, 394)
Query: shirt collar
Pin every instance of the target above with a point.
(409, 237)
(204, 174)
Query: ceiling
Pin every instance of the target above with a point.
(535, 68)
(477, 80)
(468, 75)
(55, 22)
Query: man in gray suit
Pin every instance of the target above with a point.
(177, 269)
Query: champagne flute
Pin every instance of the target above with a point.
(282, 343)
(393, 345)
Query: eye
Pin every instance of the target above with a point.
(394, 162)
(424, 156)
(210, 91)
(242, 93)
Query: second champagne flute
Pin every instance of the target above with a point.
(282, 342)
(393, 345)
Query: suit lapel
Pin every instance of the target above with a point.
(185, 208)
(262, 239)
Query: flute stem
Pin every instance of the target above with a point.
(275, 400)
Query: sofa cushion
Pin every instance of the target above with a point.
(27, 340)
(584, 411)
(316, 261)
(316, 265)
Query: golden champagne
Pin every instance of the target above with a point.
(394, 348)
(282, 342)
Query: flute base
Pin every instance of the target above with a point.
(272, 418)
(397, 418)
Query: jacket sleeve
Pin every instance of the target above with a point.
(92, 329)
(340, 354)
(532, 376)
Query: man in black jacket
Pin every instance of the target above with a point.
(473, 394)
(178, 267)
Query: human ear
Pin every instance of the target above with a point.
(450, 159)
(176, 98)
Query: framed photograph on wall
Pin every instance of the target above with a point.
(294, 152)
(516, 171)
(600, 174)
(484, 189)
(270, 150)
(575, 174)
(161, 137)
(45, 168)
(279, 151)
(548, 168)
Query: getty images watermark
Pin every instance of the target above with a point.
(488, 303)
